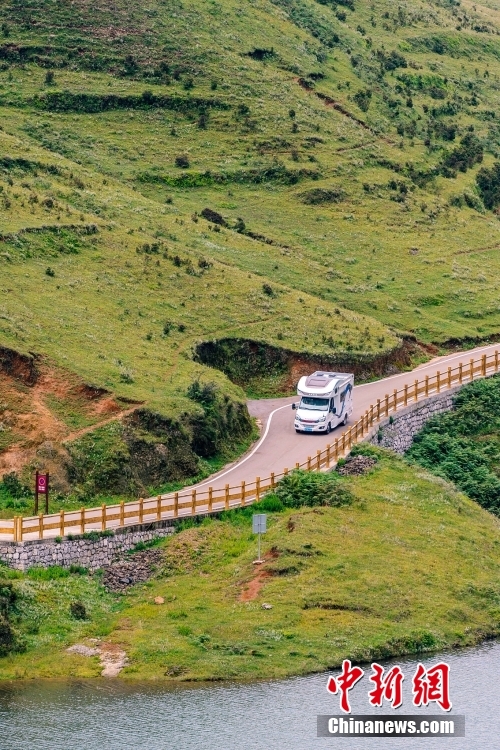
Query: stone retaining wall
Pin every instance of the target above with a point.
(398, 430)
(91, 553)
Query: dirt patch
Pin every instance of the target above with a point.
(32, 426)
(19, 366)
(252, 588)
(112, 657)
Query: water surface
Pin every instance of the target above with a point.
(275, 715)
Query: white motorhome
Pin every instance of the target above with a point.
(326, 401)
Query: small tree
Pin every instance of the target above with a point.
(182, 161)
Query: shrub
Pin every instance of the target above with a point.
(268, 290)
(213, 216)
(49, 78)
(317, 196)
(78, 611)
(299, 488)
(462, 158)
(11, 484)
(488, 183)
(50, 272)
(182, 161)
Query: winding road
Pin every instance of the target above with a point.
(280, 446)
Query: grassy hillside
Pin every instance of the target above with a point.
(295, 173)
(366, 580)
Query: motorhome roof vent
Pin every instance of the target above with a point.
(319, 379)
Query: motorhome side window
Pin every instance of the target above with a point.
(342, 395)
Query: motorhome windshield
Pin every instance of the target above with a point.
(319, 404)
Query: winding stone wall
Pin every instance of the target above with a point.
(398, 435)
(90, 553)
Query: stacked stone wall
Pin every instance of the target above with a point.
(397, 431)
(89, 552)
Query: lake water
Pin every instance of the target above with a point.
(276, 715)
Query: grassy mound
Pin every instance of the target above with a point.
(368, 579)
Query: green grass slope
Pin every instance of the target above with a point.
(296, 173)
(410, 566)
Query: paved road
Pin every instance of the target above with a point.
(280, 446)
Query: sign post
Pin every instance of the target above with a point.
(259, 527)
(41, 488)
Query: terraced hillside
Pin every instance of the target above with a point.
(261, 186)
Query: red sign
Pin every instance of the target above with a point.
(42, 484)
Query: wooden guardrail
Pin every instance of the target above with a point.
(191, 502)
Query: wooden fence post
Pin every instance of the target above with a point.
(226, 496)
(483, 365)
(257, 489)
(496, 360)
(193, 502)
(406, 395)
(372, 415)
(272, 480)
(297, 465)
(449, 377)
(158, 508)
(285, 471)
(141, 510)
(378, 410)
(40, 525)
(122, 513)
(210, 499)
(328, 455)
(318, 460)
(103, 517)
(416, 391)
(438, 381)
(395, 399)
(426, 386)
(460, 373)
(386, 405)
(14, 528)
(21, 529)
(309, 463)
(176, 505)
(472, 369)
(61, 523)
(82, 518)
(336, 450)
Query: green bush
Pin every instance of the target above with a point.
(488, 183)
(464, 445)
(299, 488)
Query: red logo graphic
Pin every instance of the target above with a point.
(389, 687)
(345, 682)
(432, 685)
(429, 685)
